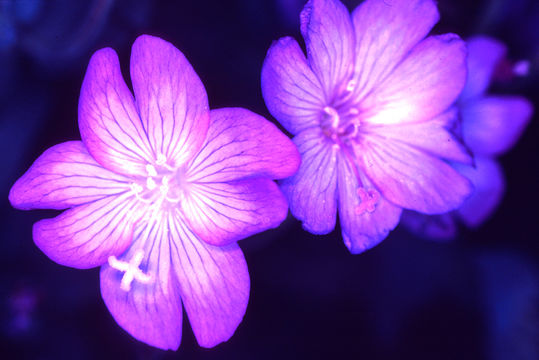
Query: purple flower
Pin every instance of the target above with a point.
(491, 125)
(370, 108)
(158, 191)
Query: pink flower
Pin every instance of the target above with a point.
(491, 125)
(370, 108)
(159, 191)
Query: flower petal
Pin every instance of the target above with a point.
(441, 227)
(484, 54)
(386, 31)
(422, 86)
(151, 309)
(214, 284)
(292, 92)
(413, 179)
(220, 213)
(85, 236)
(109, 123)
(241, 144)
(311, 192)
(171, 99)
(329, 37)
(433, 136)
(64, 176)
(362, 231)
(492, 125)
(489, 185)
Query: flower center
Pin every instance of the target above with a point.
(341, 123)
(162, 186)
(340, 127)
(340, 119)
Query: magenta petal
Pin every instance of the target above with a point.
(220, 213)
(311, 192)
(484, 54)
(85, 236)
(489, 184)
(241, 144)
(329, 37)
(492, 125)
(151, 309)
(109, 123)
(424, 84)
(362, 231)
(433, 136)
(292, 92)
(64, 176)
(385, 32)
(214, 284)
(171, 99)
(413, 179)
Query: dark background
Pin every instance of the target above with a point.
(473, 298)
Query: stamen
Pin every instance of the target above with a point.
(368, 200)
(161, 159)
(350, 131)
(174, 200)
(150, 183)
(334, 115)
(351, 85)
(151, 170)
(353, 111)
(131, 270)
(164, 187)
(136, 188)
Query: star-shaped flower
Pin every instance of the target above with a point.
(370, 108)
(490, 125)
(159, 191)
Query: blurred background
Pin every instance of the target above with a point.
(476, 297)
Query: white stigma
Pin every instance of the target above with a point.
(130, 269)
